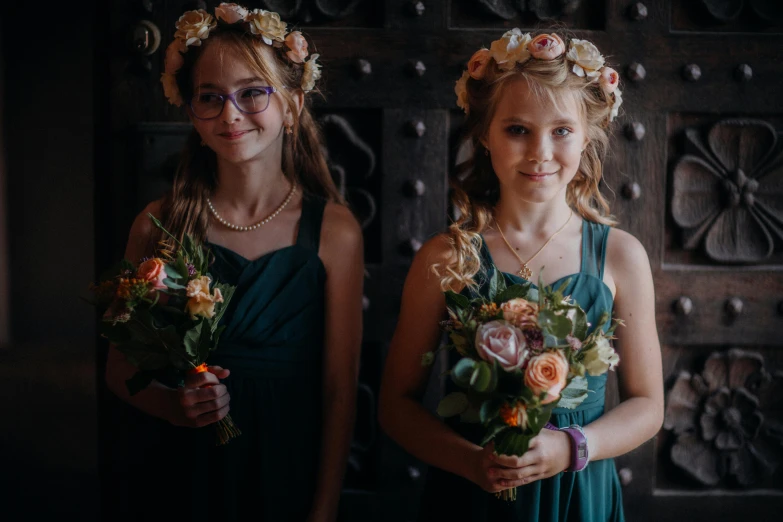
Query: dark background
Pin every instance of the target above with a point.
(87, 138)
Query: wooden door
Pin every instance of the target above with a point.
(693, 174)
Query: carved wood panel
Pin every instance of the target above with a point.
(694, 173)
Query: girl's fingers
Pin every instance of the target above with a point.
(503, 473)
(189, 397)
(516, 474)
(201, 379)
(219, 371)
(526, 479)
(508, 461)
(512, 461)
(212, 417)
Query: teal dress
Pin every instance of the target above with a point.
(591, 495)
(273, 345)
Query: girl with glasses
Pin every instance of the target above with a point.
(254, 187)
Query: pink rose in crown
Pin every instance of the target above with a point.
(298, 45)
(230, 13)
(477, 65)
(546, 47)
(502, 342)
(609, 80)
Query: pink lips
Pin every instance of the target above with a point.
(233, 135)
(537, 177)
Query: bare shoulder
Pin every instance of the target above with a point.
(624, 252)
(141, 232)
(436, 250)
(340, 231)
(627, 263)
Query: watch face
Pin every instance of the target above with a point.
(581, 452)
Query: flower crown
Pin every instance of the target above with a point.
(195, 26)
(515, 47)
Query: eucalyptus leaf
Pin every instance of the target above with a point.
(537, 418)
(172, 272)
(574, 394)
(481, 378)
(490, 409)
(453, 404)
(170, 283)
(462, 372)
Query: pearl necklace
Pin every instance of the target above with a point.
(264, 221)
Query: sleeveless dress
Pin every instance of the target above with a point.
(591, 495)
(273, 346)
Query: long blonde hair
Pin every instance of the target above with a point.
(475, 186)
(184, 209)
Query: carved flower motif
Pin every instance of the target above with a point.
(728, 191)
(727, 420)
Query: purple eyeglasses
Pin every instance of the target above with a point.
(250, 100)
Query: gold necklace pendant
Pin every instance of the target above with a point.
(525, 272)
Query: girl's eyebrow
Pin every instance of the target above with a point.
(240, 82)
(559, 121)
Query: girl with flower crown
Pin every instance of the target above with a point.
(254, 187)
(538, 112)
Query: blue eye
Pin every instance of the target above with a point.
(562, 131)
(517, 130)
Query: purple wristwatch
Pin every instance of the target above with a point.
(579, 455)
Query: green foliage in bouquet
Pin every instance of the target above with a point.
(164, 314)
(525, 351)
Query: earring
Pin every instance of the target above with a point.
(288, 129)
(486, 152)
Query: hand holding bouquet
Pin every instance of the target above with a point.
(163, 315)
(524, 352)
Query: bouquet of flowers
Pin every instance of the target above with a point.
(163, 315)
(524, 352)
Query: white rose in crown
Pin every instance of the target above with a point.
(510, 49)
(312, 72)
(230, 13)
(586, 57)
(618, 100)
(194, 26)
(600, 357)
(267, 25)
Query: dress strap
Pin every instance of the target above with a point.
(594, 236)
(309, 235)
